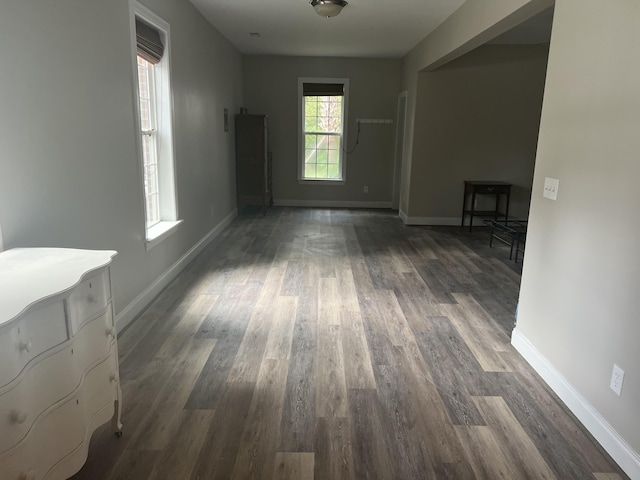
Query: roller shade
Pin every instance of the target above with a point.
(323, 89)
(148, 42)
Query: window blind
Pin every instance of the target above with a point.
(323, 89)
(149, 43)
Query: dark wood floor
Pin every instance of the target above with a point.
(332, 344)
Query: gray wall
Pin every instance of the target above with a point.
(579, 297)
(271, 87)
(68, 136)
(477, 118)
(469, 27)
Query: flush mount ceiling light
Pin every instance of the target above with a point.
(328, 8)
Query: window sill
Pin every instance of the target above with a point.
(321, 182)
(159, 232)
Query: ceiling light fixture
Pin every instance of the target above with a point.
(328, 8)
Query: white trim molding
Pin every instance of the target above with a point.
(447, 221)
(439, 221)
(627, 458)
(329, 203)
(131, 311)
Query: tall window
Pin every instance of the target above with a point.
(149, 131)
(323, 116)
(155, 124)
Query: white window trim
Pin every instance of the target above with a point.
(345, 116)
(166, 155)
(159, 232)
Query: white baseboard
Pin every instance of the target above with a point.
(281, 202)
(439, 221)
(446, 221)
(627, 458)
(131, 311)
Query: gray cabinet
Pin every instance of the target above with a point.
(253, 161)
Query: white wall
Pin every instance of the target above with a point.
(68, 151)
(578, 311)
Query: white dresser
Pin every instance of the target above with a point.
(58, 359)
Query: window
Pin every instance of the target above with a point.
(322, 119)
(155, 124)
(149, 131)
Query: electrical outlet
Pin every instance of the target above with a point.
(617, 377)
(366, 189)
(551, 188)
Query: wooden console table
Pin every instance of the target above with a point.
(477, 187)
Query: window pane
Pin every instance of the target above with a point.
(310, 156)
(321, 171)
(310, 171)
(336, 106)
(151, 204)
(321, 156)
(310, 141)
(334, 142)
(151, 179)
(333, 170)
(334, 156)
(146, 90)
(311, 124)
(145, 115)
(310, 106)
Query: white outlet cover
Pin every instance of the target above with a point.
(551, 188)
(617, 378)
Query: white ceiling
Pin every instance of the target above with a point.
(365, 28)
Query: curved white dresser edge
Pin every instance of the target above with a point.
(59, 375)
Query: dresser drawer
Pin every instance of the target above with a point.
(100, 386)
(63, 429)
(35, 333)
(50, 440)
(93, 341)
(44, 386)
(493, 189)
(89, 298)
(49, 382)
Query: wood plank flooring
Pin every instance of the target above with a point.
(338, 344)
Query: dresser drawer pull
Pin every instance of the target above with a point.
(30, 475)
(18, 417)
(26, 346)
(91, 298)
(113, 377)
(111, 332)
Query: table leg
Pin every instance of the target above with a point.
(506, 211)
(473, 207)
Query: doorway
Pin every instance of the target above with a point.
(399, 150)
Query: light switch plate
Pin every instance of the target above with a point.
(617, 378)
(551, 188)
